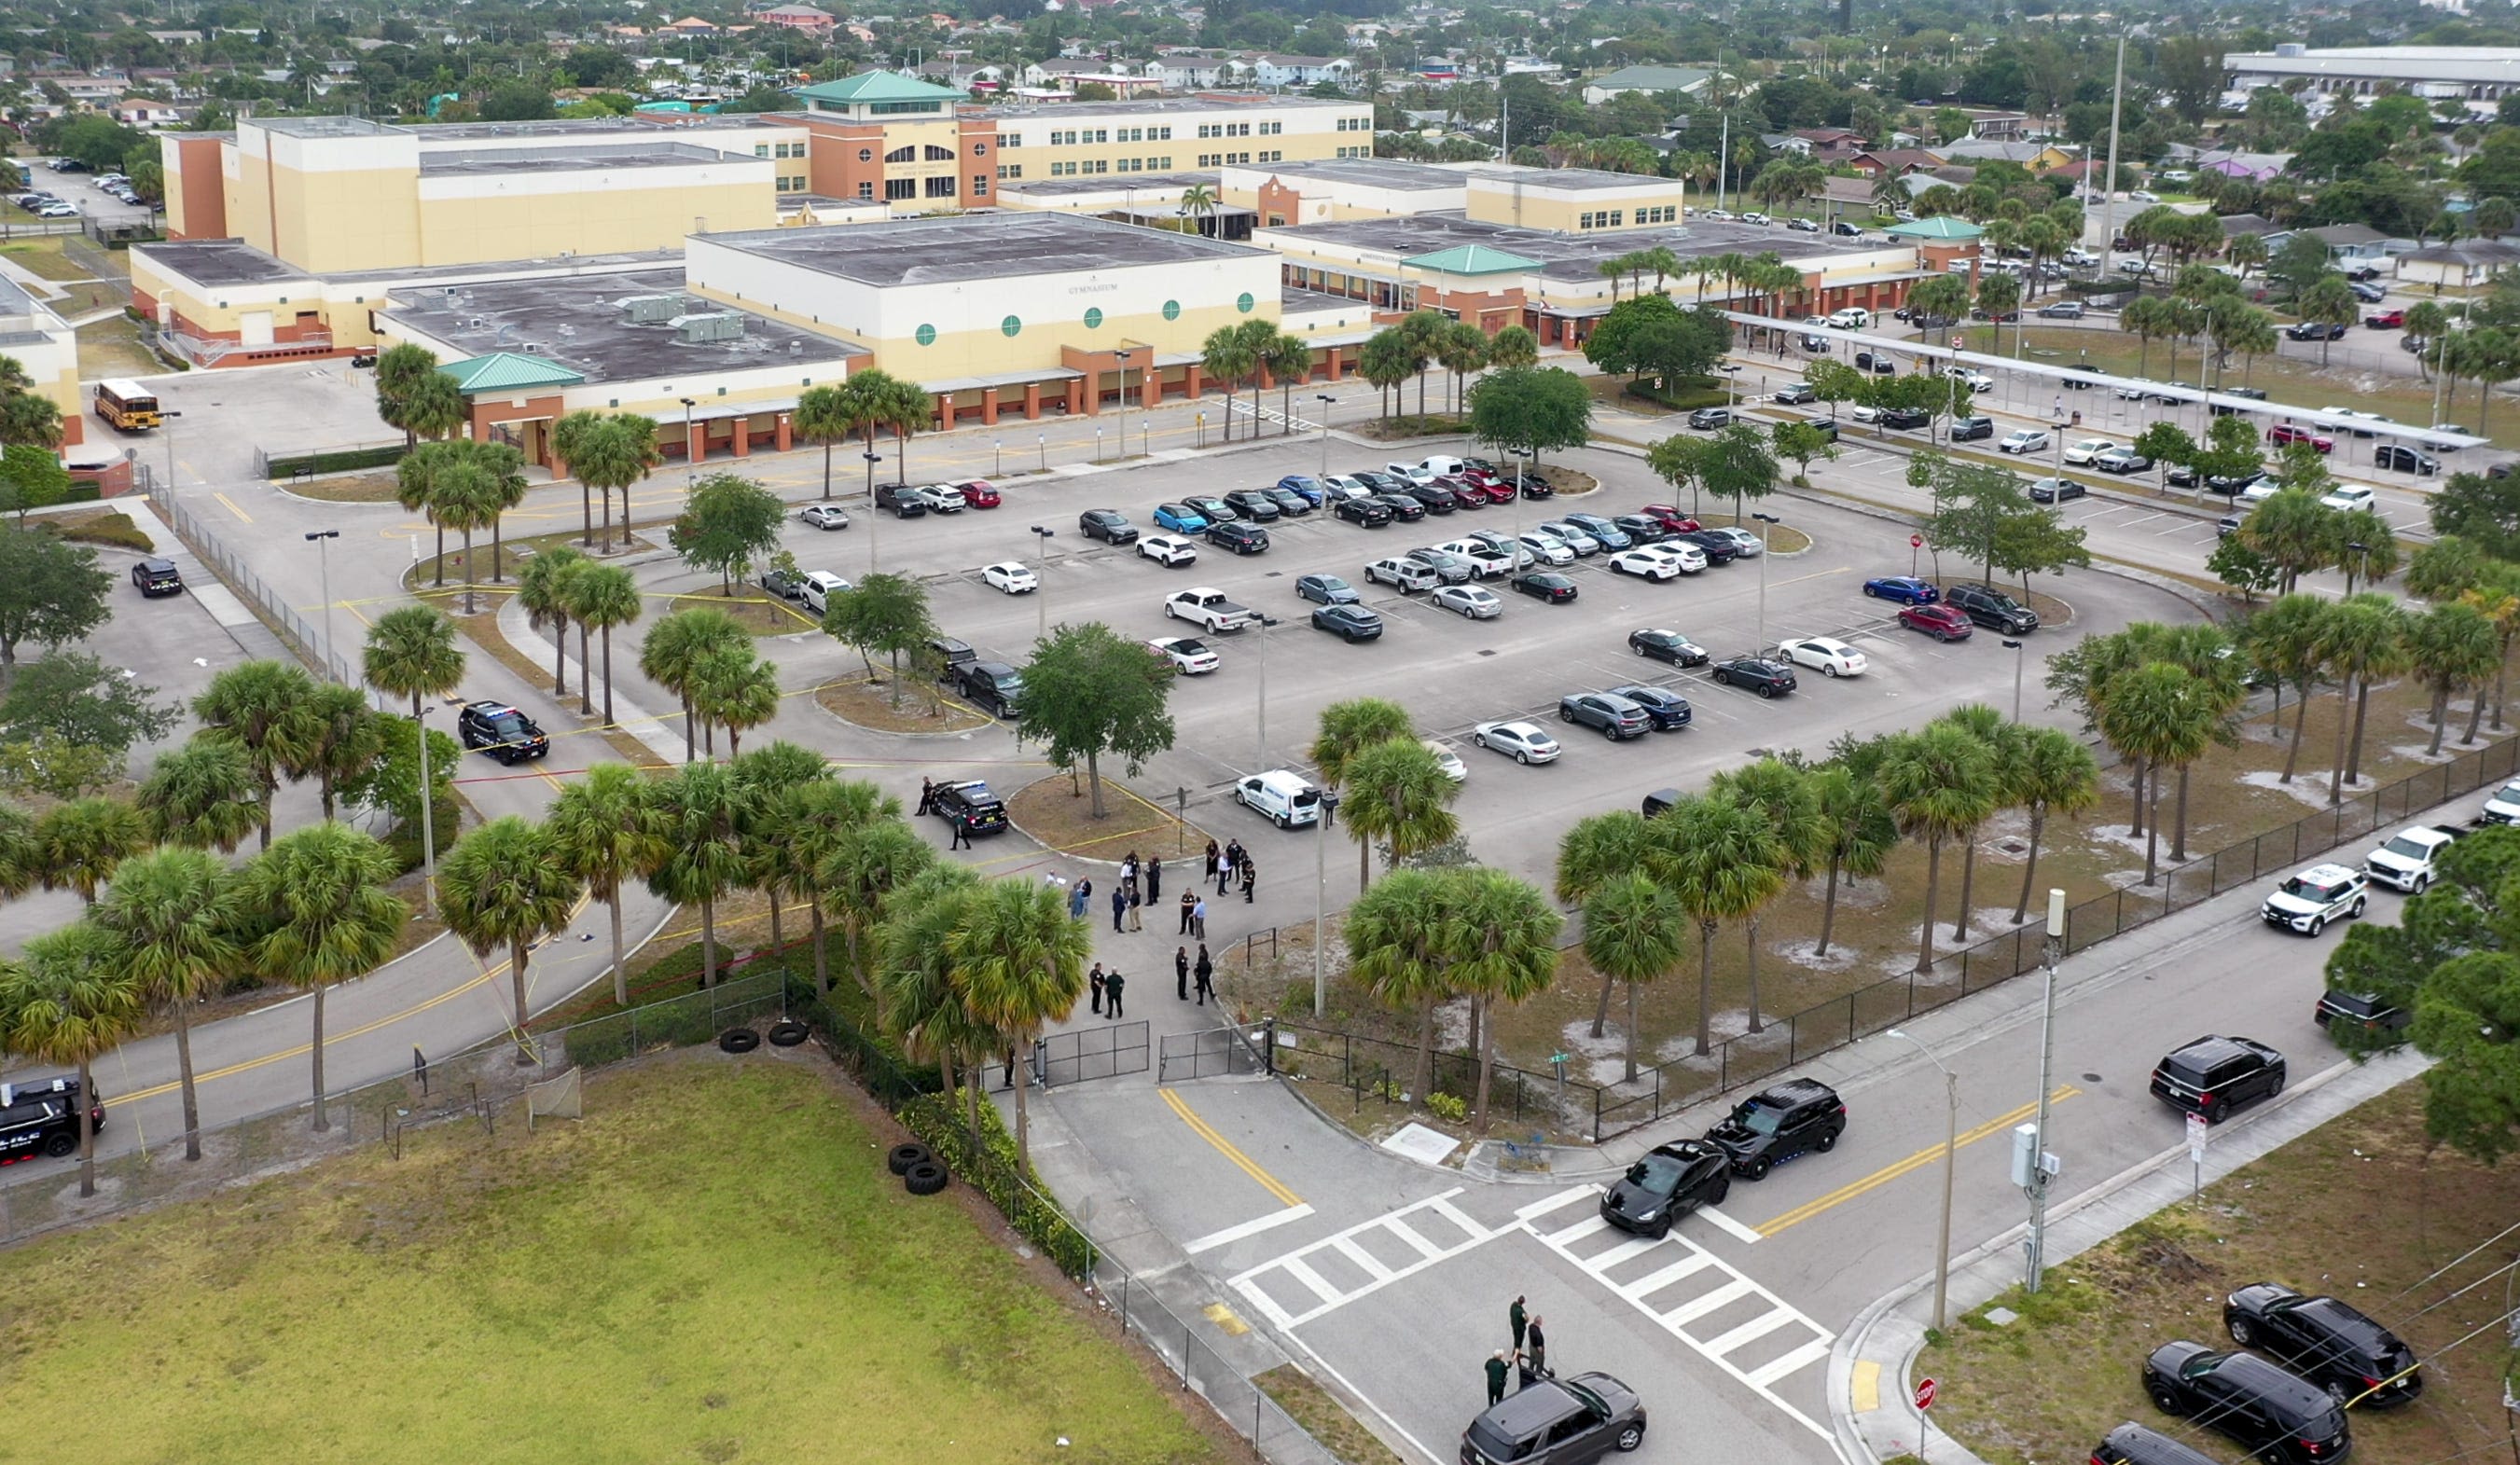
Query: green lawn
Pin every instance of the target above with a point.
(713, 1265)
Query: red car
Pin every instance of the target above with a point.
(979, 494)
(1497, 489)
(1671, 518)
(1939, 622)
(1465, 494)
(2385, 319)
(2284, 434)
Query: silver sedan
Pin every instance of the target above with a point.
(1469, 600)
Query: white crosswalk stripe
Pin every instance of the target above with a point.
(1297, 1265)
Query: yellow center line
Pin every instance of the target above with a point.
(1923, 1157)
(1225, 1147)
(230, 507)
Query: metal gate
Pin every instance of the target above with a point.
(1103, 1053)
(1214, 1052)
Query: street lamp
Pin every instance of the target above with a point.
(170, 454)
(1765, 519)
(872, 457)
(2050, 951)
(1327, 400)
(427, 823)
(1123, 358)
(1040, 441)
(1098, 442)
(323, 568)
(1321, 901)
(1951, 1155)
(1040, 606)
(1261, 622)
(2017, 658)
(998, 453)
(691, 455)
(2360, 551)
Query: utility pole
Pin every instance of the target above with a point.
(2109, 184)
(2054, 948)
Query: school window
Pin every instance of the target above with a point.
(1010, 170)
(1009, 139)
(795, 184)
(1159, 134)
(866, 190)
(940, 188)
(1101, 134)
(1127, 165)
(901, 188)
(762, 150)
(1207, 129)
(979, 150)
(1272, 156)
(1272, 129)
(1242, 157)
(979, 184)
(939, 154)
(907, 153)
(1098, 166)
(1617, 216)
(1207, 160)
(1159, 165)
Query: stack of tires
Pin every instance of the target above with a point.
(921, 1171)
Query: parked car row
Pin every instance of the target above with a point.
(911, 500)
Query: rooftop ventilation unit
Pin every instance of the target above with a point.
(651, 310)
(709, 326)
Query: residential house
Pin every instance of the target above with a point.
(689, 26)
(2236, 224)
(1196, 72)
(1686, 80)
(2038, 158)
(1872, 162)
(140, 111)
(1786, 142)
(1996, 126)
(1278, 72)
(2459, 265)
(803, 18)
(1832, 142)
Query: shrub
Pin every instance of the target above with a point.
(111, 530)
(1448, 1106)
(342, 462)
(941, 1122)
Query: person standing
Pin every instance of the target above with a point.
(1203, 971)
(1137, 921)
(1539, 1349)
(1112, 986)
(1496, 1377)
(1181, 972)
(1516, 1316)
(1198, 919)
(961, 836)
(1154, 878)
(1077, 896)
(1094, 981)
(926, 796)
(1119, 905)
(1225, 864)
(1250, 877)
(1188, 906)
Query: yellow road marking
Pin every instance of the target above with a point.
(1863, 1386)
(1923, 1157)
(1225, 1147)
(1225, 1320)
(230, 507)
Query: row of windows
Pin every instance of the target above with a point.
(1143, 135)
(1356, 125)
(1010, 170)
(1232, 129)
(898, 189)
(1666, 214)
(1610, 219)
(895, 108)
(795, 184)
(1090, 168)
(1225, 159)
(778, 150)
(1364, 152)
(1074, 135)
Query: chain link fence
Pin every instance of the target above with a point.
(302, 635)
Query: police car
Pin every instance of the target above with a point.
(507, 733)
(41, 1118)
(2321, 894)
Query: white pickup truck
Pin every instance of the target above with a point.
(2406, 862)
(1209, 607)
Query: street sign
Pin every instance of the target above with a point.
(1925, 1394)
(1916, 541)
(2197, 1130)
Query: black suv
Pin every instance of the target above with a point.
(952, 655)
(903, 500)
(1719, 548)
(1240, 537)
(1991, 608)
(1671, 1179)
(2281, 1417)
(2355, 1359)
(507, 734)
(1906, 419)
(158, 577)
(972, 806)
(2131, 1444)
(1758, 673)
(1370, 512)
(1108, 525)
(1778, 1123)
(2352, 1009)
(1254, 505)
(41, 1118)
(992, 687)
(1558, 1422)
(2214, 1076)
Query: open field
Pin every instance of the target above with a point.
(713, 1265)
(2361, 1208)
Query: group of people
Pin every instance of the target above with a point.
(1228, 864)
(1528, 1357)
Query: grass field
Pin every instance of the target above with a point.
(713, 1265)
(2360, 1208)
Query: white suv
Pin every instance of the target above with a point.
(2308, 900)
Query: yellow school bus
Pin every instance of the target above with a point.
(127, 405)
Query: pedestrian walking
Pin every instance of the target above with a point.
(926, 796)
(1181, 972)
(1198, 919)
(1011, 1069)
(1094, 981)
(1156, 878)
(1496, 1377)
(1250, 877)
(1119, 906)
(1078, 895)
(1112, 986)
(1519, 1320)
(1137, 923)
(1189, 904)
(1539, 1349)
(961, 836)
(1204, 970)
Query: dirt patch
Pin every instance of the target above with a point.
(1782, 539)
(1569, 483)
(862, 702)
(378, 486)
(756, 614)
(1322, 1417)
(1057, 811)
(110, 347)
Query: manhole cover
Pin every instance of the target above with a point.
(2091, 1078)
(2010, 845)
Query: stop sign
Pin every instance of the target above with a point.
(1925, 1394)
(1916, 541)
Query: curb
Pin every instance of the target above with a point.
(985, 723)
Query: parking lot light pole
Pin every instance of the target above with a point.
(324, 570)
(2050, 951)
(1326, 399)
(2018, 656)
(1765, 519)
(873, 460)
(1260, 710)
(164, 416)
(691, 455)
(1040, 574)
(1040, 441)
(1321, 899)
(998, 458)
(1951, 1152)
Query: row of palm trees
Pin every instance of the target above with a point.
(863, 404)
(463, 485)
(1259, 352)
(1427, 338)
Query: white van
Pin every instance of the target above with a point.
(1285, 797)
(1852, 317)
(1440, 466)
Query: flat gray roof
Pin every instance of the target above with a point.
(1294, 299)
(680, 121)
(326, 126)
(1565, 257)
(578, 322)
(1577, 179)
(220, 261)
(1237, 102)
(973, 247)
(659, 153)
(1132, 183)
(1372, 172)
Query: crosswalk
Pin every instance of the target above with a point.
(1362, 1260)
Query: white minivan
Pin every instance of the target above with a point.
(1440, 466)
(1851, 317)
(1285, 798)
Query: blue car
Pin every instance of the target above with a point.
(1305, 486)
(1664, 709)
(1180, 519)
(1610, 535)
(1906, 589)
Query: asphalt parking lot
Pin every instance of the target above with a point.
(1260, 708)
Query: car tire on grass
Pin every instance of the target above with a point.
(738, 1041)
(927, 1178)
(788, 1033)
(907, 1154)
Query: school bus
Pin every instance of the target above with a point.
(127, 405)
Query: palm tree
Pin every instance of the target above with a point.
(1634, 931)
(568, 439)
(2245, 253)
(1022, 963)
(603, 834)
(767, 773)
(1987, 727)
(2157, 716)
(1259, 337)
(2366, 638)
(866, 853)
(699, 811)
(346, 739)
(734, 688)
(203, 795)
(1289, 360)
(889, 402)
(2295, 531)
(466, 493)
(822, 416)
(399, 370)
(920, 995)
(2288, 642)
(623, 450)
(1226, 358)
(602, 596)
(2329, 301)
(1461, 350)
(79, 844)
(502, 470)
(1396, 947)
(674, 647)
(173, 912)
(2497, 592)
(1421, 329)
(1398, 796)
(1597, 852)
(1386, 362)
(262, 707)
(1862, 832)
(1515, 348)
(415, 489)
(2147, 317)
(543, 591)
(1198, 206)
(71, 999)
(2051, 773)
(1720, 859)
(1940, 783)
(504, 885)
(1505, 937)
(411, 650)
(2452, 646)
(1786, 797)
(319, 896)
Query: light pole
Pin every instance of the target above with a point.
(872, 457)
(1260, 710)
(998, 456)
(323, 569)
(2360, 550)
(1123, 358)
(428, 822)
(170, 453)
(1321, 899)
(1040, 441)
(1326, 399)
(2050, 951)
(691, 455)
(1765, 519)
(1040, 602)
(2018, 657)
(1951, 1155)
(1098, 442)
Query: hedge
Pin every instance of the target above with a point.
(339, 462)
(942, 1123)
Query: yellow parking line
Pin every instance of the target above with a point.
(1225, 1147)
(1921, 1158)
(230, 507)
